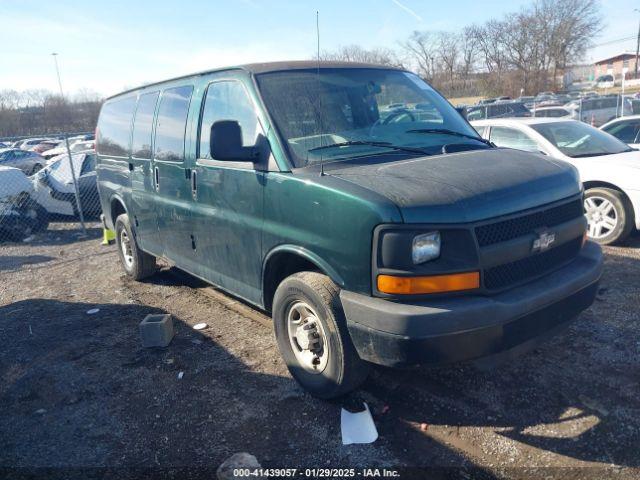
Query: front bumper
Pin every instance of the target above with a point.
(463, 328)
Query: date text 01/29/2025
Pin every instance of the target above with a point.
(315, 472)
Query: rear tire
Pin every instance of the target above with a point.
(610, 215)
(334, 368)
(136, 263)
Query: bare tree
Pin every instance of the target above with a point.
(356, 53)
(449, 54)
(422, 52)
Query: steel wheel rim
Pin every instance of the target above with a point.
(125, 247)
(602, 217)
(307, 337)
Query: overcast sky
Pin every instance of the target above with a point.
(110, 45)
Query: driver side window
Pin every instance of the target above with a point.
(512, 138)
(227, 100)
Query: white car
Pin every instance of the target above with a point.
(54, 189)
(29, 143)
(75, 147)
(609, 169)
(20, 214)
(626, 129)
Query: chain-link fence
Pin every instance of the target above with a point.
(590, 107)
(43, 180)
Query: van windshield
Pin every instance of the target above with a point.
(340, 113)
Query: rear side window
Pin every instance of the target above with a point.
(480, 130)
(512, 138)
(142, 125)
(114, 127)
(172, 122)
(227, 100)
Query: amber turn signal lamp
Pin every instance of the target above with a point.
(432, 284)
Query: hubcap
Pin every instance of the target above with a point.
(307, 338)
(125, 246)
(601, 215)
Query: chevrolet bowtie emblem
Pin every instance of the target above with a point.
(543, 242)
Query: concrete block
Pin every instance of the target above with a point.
(156, 330)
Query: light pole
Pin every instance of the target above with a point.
(55, 62)
(637, 45)
(66, 141)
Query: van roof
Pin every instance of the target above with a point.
(265, 67)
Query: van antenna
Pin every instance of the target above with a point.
(319, 99)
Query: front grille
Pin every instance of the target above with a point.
(510, 274)
(519, 226)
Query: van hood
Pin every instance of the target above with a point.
(466, 186)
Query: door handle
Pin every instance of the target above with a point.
(194, 183)
(130, 167)
(156, 178)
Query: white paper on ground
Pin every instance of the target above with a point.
(357, 427)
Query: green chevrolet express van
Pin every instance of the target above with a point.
(354, 204)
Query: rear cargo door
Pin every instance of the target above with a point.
(141, 167)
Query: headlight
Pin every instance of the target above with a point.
(425, 247)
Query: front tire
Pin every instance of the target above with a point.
(609, 214)
(313, 338)
(136, 263)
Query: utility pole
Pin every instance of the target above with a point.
(66, 140)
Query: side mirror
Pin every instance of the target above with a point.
(225, 143)
(462, 111)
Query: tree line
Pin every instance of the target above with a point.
(523, 52)
(41, 112)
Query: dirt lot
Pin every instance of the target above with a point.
(78, 390)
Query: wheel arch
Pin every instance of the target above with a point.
(285, 260)
(602, 184)
(116, 207)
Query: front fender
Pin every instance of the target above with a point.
(307, 254)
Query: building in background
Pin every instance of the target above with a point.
(614, 65)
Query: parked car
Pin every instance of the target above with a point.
(599, 110)
(553, 112)
(20, 214)
(605, 81)
(54, 189)
(45, 146)
(498, 110)
(609, 169)
(28, 162)
(396, 243)
(625, 129)
(75, 147)
(528, 101)
(29, 143)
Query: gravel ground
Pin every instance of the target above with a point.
(77, 391)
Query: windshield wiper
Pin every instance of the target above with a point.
(595, 154)
(370, 143)
(446, 131)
